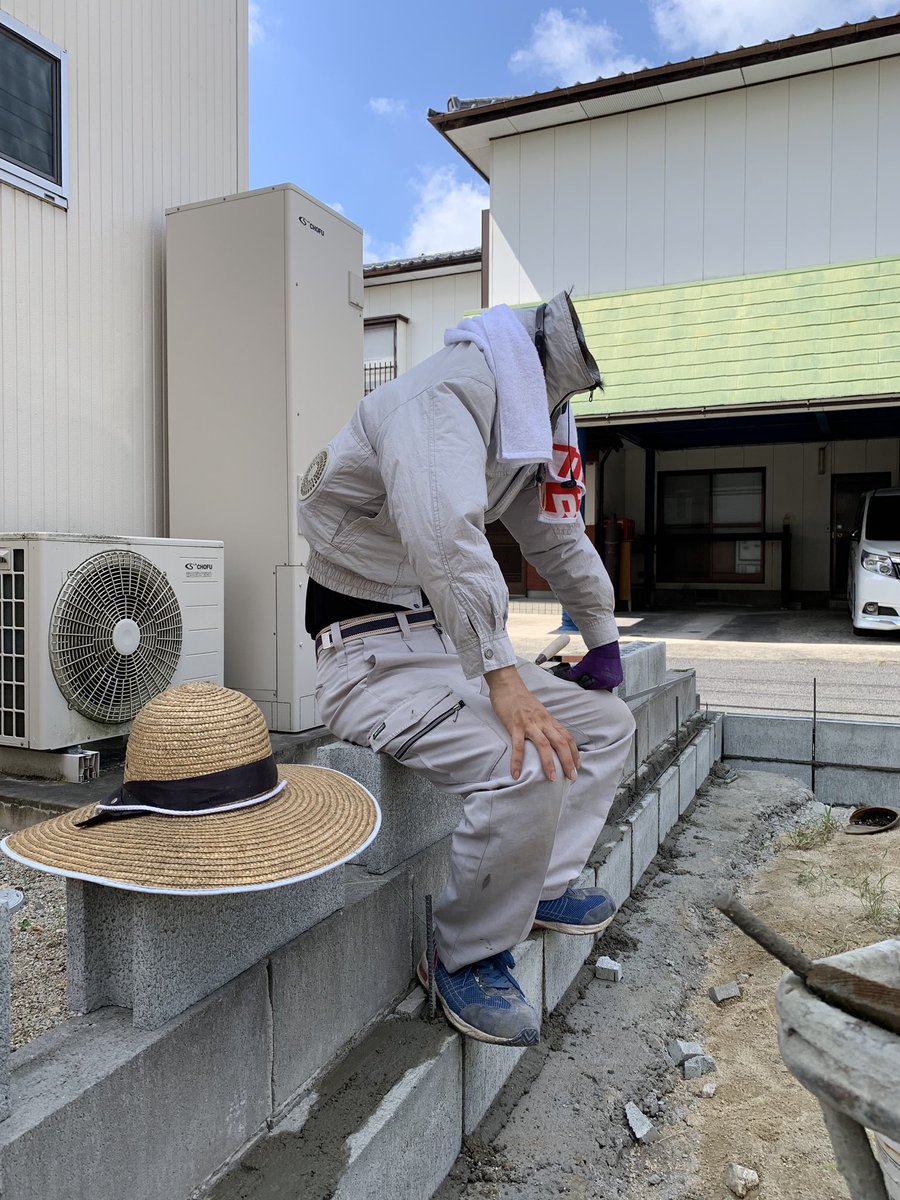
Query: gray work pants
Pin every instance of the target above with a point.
(520, 840)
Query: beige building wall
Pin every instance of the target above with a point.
(430, 304)
(157, 116)
(789, 173)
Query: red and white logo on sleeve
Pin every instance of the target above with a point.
(563, 485)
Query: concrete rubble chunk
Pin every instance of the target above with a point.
(608, 968)
(699, 1064)
(641, 1126)
(709, 1089)
(724, 992)
(679, 1051)
(740, 1180)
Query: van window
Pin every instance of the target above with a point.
(883, 519)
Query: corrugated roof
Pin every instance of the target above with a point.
(423, 262)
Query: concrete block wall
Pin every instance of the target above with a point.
(856, 762)
(233, 1063)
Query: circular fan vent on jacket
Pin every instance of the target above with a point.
(115, 636)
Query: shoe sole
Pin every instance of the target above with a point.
(529, 1037)
(578, 930)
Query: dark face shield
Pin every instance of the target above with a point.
(589, 360)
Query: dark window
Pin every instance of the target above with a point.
(32, 86)
(710, 526)
(883, 519)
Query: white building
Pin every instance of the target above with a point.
(109, 115)
(730, 229)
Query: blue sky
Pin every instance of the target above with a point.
(339, 92)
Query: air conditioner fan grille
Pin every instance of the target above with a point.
(115, 636)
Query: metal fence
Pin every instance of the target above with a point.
(379, 372)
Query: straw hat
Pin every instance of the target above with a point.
(204, 808)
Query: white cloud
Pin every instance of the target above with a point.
(446, 217)
(256, 26)
(573, 49)
(338, 208)
(385, 106)
(704, 26)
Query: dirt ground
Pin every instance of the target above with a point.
(558, 1128)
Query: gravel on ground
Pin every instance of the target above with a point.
(38, 946)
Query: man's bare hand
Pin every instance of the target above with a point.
(526, 719)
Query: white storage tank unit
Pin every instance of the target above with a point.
(265, 364)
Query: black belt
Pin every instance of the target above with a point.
(357, 627)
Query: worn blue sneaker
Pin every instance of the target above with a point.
(485, 1002)
(577, 910)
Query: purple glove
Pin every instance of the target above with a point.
(601, 668)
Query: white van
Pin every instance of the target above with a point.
(873, 586)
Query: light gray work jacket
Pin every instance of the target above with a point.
(399, 499)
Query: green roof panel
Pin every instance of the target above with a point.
(807, 334)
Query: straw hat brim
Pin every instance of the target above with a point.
(319, 820)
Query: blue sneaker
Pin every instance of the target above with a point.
(485, 1002)
(577, 910)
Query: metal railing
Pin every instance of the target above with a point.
(376, 373)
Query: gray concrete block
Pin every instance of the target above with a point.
(644, 822)
(166, 1107)
(565, 954)
(641, 737)
(858, 743)
(667, 785)
(636, 669)
(409, 1143)
(158, 955)
(333, 980)
(798, 771)
(4, 1012)
(612, 858)
(428, 873)
(413, 1005)
(486, 1068)
(687, 777)
(685, 683)
(661, 715)
(703, 742)
(782, 739)
(853, 785)
(385, 1121)
(415, 814)
(718, 732)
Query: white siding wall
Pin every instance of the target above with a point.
(791, 173)
(157, 117)
(431, 306)
(794, 489)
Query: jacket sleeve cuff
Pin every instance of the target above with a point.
(488, 654)
(600, 633)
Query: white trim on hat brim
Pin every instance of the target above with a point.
(222, 891)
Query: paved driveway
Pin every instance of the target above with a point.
(751, 661)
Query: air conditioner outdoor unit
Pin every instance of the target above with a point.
(91, 628)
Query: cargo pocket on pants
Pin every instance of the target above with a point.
(410, 721)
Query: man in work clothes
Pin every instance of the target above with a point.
(409, 610)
